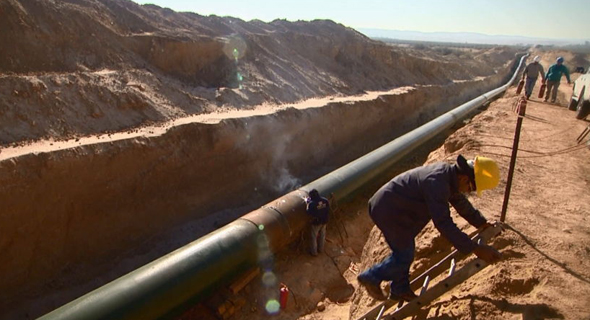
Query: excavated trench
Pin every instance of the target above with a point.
(77, 218)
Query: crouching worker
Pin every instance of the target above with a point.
(403, 206)
(319, 209)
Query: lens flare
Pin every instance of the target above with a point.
(272, 306)
(269, 279)
(235, 49)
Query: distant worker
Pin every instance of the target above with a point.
(402, 207)
(553, 77)
(531, 72)
(319, 209)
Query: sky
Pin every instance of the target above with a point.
(553, 19)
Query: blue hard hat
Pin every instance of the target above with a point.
(560, 60)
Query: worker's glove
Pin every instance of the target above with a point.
(487, 253)
(493, 223)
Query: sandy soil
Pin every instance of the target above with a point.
(50, 145)
(545, 270)
(105, 67)
(123, 97)
(82, 75)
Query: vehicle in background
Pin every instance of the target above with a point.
(580, 100)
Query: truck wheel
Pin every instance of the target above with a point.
(573, 105)
(583, 109)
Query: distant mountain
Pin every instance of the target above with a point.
(466, 37)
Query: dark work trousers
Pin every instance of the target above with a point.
(551, 90)
(318, 238)
(396, 267)
(529, 85)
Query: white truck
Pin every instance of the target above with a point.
(580, 100)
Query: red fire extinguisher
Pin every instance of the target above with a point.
(542, 90)
(520, 86)
(283, 296)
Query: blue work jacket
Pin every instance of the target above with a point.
(402, 207)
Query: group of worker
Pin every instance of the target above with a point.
(401, 209)
(552, 78)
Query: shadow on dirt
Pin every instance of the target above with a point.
(556, 262)
(528, 311)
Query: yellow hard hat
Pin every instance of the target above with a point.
(487, 174)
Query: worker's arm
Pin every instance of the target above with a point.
(466, 210)
(436, 195)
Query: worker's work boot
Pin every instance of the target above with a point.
(404, 296)
(373, 288)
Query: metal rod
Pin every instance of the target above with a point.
(583, 135)
(452, 269)
(425, 285)
(380, 313)
(522, 111)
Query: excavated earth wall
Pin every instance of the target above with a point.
(75, 219)
(82, 70)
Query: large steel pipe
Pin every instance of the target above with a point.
(165, 286)
(348, 178)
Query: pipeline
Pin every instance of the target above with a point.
(343, 181)
(169, 285)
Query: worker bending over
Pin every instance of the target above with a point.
(403, 206)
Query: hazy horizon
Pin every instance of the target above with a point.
(526, 18)
(467, 37)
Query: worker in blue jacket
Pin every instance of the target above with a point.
(553, 78)
(402, 207)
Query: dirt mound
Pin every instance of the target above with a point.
(572, 59)
(104, 66)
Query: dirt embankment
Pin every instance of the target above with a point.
(99, 172)
(106, 66)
